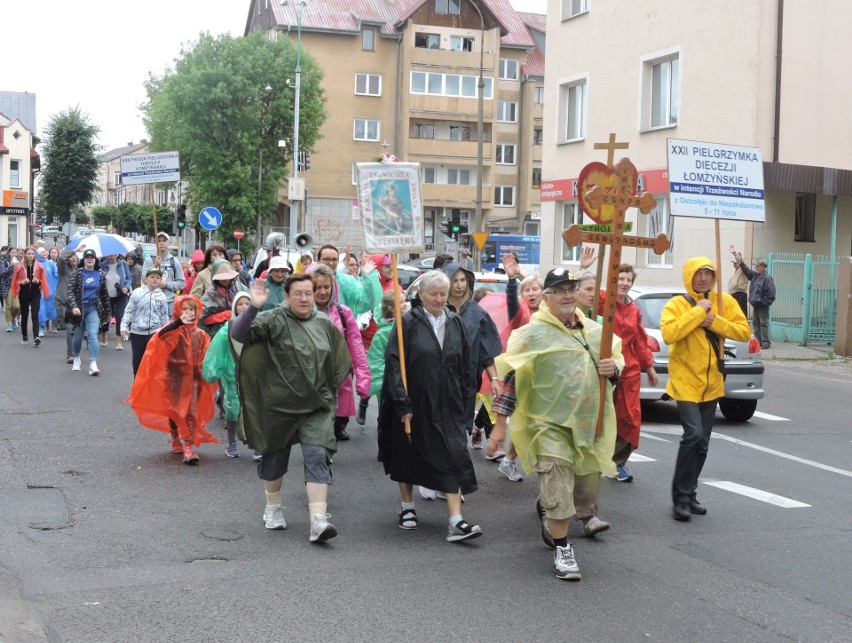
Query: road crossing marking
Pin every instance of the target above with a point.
(757, 494)
(654, 437)
(636, 457)
(781, 454)
(773, 418)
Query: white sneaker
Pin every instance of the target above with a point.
(93, 368)
(76, 366)
(273, 517)
(565, 565)
(322, 529)
(508, 469)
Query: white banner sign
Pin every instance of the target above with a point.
(159, 167)
(714, 181)
(391, 207)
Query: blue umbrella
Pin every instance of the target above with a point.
(104, 244)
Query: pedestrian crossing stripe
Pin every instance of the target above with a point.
(636, 457)
(757, 494)
(650, 436)
(772, 418)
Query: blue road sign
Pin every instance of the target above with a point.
(210, 218)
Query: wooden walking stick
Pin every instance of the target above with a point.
(397, 314)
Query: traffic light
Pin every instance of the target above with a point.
(456, 223)
(304, 161)
(181, 217)
(447, 228)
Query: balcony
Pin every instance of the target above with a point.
(443, 195)
(443, 148)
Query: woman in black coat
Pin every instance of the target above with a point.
(437, 358)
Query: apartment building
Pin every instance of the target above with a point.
(19, 162)
(764, 74)
(402, 77)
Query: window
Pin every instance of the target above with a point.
(571, 8)
(507, 112)
(538, 95)
(14, 173)
(536, 178)
(660, 221)
(538, 136)
(427, 40)
(423, 130)
(429, 175)
(505, 154)
(504, 195)
(116, 177)
(368, 84)
(435, 84)
(572, 110)
(458, 177)
(366, 130)
(570, 215)
(805, 216)
(452, 7)
(368, 40)
(461, 133)
(508, 69)
(461, 43)
(665, 91)
(532, 228)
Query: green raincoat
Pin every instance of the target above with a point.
(557, 388)
(376, 354)
(219, 367)
(287, 376)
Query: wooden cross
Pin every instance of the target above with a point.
(610, 147)
(620, 199)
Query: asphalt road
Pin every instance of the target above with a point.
(106, 536)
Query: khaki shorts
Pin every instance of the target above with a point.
(556, 487)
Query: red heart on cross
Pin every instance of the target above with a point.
(597, 174)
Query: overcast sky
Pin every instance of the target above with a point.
(97, 53)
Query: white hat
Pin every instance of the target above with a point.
(277, 263)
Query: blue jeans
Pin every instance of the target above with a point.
(697, 420)
(91, 325)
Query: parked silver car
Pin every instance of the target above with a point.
(744, 363)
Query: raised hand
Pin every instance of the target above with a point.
(367, 265)
(259, 293)
(587, 257)
(510, 265)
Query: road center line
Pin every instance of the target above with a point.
(757, 494)
(773, 418)
(637, 457)
(781, 454)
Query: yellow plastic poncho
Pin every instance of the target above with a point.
(558, 392)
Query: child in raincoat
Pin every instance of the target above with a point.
(169, 393)
(219, 367)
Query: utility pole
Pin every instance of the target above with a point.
(295, 216)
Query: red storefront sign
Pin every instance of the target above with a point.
(653, 181)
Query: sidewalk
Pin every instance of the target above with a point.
(785, 351)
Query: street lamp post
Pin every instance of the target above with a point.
(478, 223)
(298, 6)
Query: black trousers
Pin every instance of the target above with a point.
(30, 298)
(138, 343)
(697, 420)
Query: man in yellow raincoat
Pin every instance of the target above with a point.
(694, 327)
(557, 364)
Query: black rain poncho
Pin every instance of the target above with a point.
(438, 381)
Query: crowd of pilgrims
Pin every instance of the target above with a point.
(290, 354)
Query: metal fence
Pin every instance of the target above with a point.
(806, 297)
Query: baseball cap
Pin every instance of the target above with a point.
(557, 276)
(707, 267)
(154, 271)
(90, 253)
(164, 235)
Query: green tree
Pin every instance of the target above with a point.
(224, 107)
(70, 163)
(104, 215)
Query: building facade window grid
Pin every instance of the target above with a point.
(452, 7)
(507, 112)
(437, 84)
(571, 8)
(508, 69)
(538, 95)
(659, 220)
(368, 40)
(665, 92)
(368, 84)
(366, 129)
(462, 43)
(505, 154)
(504, 195)
(570, 216)
(573, 109)
(14, 173)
